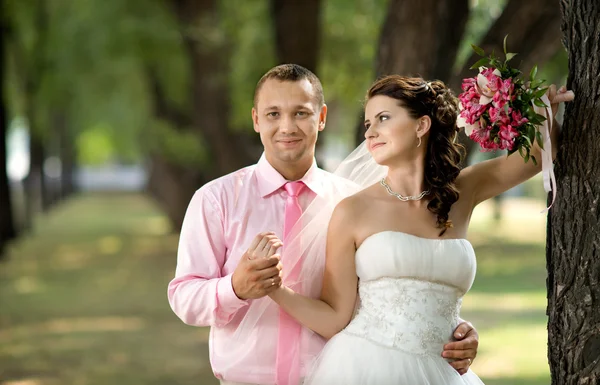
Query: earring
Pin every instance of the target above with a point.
(419, 145)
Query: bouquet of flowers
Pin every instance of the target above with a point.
(499, 109)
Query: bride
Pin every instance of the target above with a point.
(398, 262)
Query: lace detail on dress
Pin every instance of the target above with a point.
(407, 314)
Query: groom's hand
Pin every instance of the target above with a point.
(464, 349)
(258, 272)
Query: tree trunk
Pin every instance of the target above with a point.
(420, 46)
(34, 183)
(425, 45)
(573, 245)
(30, 66)
(67, 160)
(297, 31)
(173, 186)
(208, 56)
(7, 224)
(66, 153)
(297, 25)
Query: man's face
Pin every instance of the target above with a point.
(288, 118)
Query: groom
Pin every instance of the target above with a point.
(227, 259)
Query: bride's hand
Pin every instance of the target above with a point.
(557, 96)
(562, 95)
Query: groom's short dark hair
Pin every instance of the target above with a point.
(292, 73)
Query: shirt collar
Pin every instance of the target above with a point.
(270, 180)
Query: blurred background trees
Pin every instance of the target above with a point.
(154, 96)
(162, 89)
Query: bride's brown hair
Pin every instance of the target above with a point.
(443, 155)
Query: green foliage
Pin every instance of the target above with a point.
(180, 147)
(95, 146)
(249, 29)
(111, 46)
(100, 144)
(482, 15)
(94, 66)
(91, 61)
(349, 46)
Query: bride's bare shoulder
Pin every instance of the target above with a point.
(354, 205)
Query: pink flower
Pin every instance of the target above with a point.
(500, 100)
(507, 87)
(489, 145)
(470, 121)
(481, 136)
(488, 83)
(469, 96)
(472, 112)
(507, 137)
(517, 119)
(468, 84)
(495, 114)
(499, 115)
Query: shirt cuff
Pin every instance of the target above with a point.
(228, 300)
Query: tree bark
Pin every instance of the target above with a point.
(172, 186)
(34, 183)
(208, 56)
(297, 25)
(167, 183)
(7, 224)
(30, 65)
(425, 45)
(66, 152)
(297, 31)
(573, 245)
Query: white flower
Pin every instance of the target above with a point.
(483, 88)
(462, 123)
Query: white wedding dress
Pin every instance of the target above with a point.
(410, 292)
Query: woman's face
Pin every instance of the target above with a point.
(392, 134)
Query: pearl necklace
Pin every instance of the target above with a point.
(402, 197)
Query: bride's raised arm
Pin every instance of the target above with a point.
(487, 179)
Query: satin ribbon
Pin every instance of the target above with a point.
(547, 162)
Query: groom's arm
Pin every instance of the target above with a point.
(199, 295)
(464, 349)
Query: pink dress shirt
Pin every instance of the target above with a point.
(221, 221)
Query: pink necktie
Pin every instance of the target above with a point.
(288, 343)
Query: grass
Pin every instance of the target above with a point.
(507, 302)
(83, 299)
